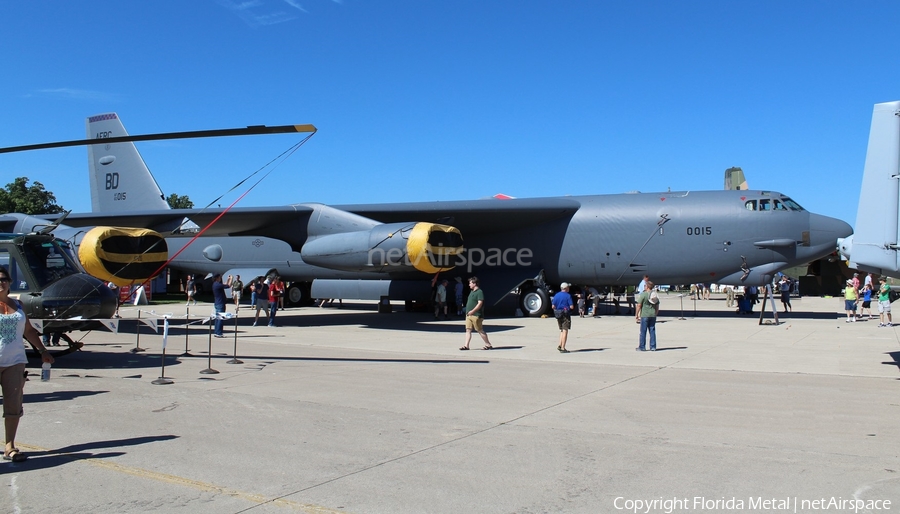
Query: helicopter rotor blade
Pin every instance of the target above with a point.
(247, 131)
(53, 226)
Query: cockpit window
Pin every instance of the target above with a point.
(792, 205)
(48, 261)
(775, 204)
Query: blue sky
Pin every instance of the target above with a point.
(424, 100)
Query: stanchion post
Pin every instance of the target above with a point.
(137, 343)
(681, 297)
(162, 380)
(234, 359)
(187, 326)
(209, 369)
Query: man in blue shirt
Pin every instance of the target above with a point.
(219, 299)
(562, 309)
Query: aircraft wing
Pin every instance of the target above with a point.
(472, 217)
(275, 222)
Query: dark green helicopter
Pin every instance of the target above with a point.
(52, 286)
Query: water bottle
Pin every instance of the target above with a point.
(45, 372)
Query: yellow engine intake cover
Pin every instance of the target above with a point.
(122, 255)
(430, 247)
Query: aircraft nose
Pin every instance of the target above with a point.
(825, 231)
(79, 295)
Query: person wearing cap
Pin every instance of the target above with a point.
(884, 304)
(647, 309)
(850, 298)
(856, 281)
(562, 309)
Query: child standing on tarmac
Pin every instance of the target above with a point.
(866, 302)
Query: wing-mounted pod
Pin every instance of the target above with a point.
(426, 247)
(122, 256)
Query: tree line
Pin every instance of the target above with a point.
(18, 196)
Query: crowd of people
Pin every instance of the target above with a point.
(858, 300)
(642, 301)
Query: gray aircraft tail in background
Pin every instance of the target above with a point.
(874, 243)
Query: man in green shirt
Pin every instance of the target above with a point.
(645, 314)
(475, 315)
(884, 303)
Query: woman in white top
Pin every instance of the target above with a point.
(14, 327)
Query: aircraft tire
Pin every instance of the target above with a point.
(298, 293)
(535, 301)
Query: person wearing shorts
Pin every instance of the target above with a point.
(851, 296)
(440, 299)
(14, 330)
(884, 304)
(190, 289)
(562, 310)
(475, 315)
(237, 288)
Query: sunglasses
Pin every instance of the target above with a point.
(4, 280)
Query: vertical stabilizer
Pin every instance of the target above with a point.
(874, 241)
(734, 179)
(120, 181)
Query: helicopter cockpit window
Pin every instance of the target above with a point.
(18, 278)
(48, 261)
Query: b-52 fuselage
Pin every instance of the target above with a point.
(725, 237)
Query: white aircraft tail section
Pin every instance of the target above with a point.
(873, 245)
(120, 181)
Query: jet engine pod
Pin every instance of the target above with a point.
(427, 247)
(122, 255)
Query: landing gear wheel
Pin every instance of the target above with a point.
(535, 301)
(298, 294)
(295, 295)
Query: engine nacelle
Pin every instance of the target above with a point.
(122, 256)
(427, 247)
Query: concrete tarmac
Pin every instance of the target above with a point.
(349, 410)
